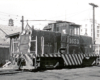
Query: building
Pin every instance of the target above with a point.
(5, 42)
(87, 29)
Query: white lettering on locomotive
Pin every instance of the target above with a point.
(73, 41)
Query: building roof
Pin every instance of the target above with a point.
(7, 30)
(13, 35)
(10, 29)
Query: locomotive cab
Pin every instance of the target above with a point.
(64, 27)
(70, 35)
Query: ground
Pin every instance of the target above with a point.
(87, 73)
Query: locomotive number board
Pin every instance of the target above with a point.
(73, 41)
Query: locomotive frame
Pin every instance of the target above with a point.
(58, 45)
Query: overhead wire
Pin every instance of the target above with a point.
(10, 14)
(73, 14)
(78, 13)
(86, 16)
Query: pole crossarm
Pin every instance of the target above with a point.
(92, 4)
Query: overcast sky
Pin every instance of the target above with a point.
(69, 10)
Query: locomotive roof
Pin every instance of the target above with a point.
(76, 25)
(63, 22)
(70, 23)
(60, 22)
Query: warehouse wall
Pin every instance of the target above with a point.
(4, 55)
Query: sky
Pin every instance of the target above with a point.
(67, 10)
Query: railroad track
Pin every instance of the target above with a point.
(9, 71)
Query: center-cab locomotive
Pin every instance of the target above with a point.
(58, 45)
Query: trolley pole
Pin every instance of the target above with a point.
(22, 23)
(92, 4)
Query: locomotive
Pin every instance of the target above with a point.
(58, 45)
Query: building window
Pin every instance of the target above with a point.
(85, 25)
(91, 26)
(97, 35)
(97, 31)
(91, 30)
(81, 30)
(97, 27)
(85, 31)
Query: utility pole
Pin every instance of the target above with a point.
(92, 4)
(22, 23)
